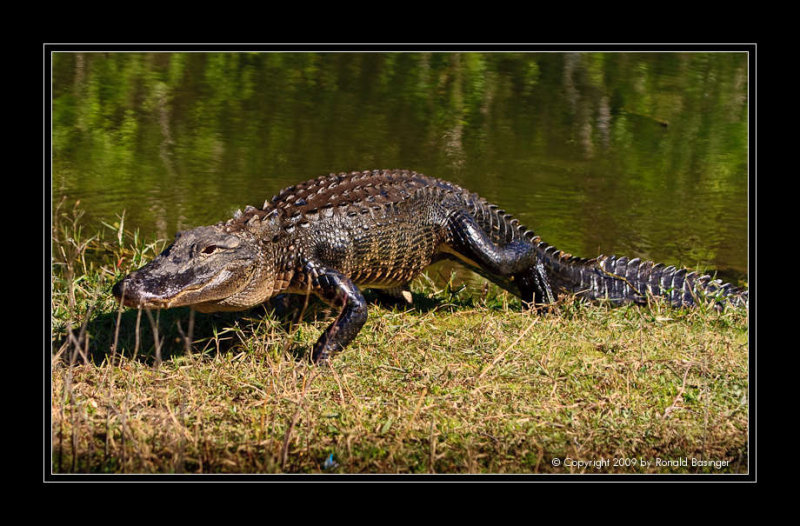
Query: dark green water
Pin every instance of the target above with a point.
(635, 154)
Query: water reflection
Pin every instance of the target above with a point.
(640, 154)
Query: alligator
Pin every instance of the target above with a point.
(336, 234)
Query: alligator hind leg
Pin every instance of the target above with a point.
(338, 290)
(517, 259)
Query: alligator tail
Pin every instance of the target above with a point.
(623, 280)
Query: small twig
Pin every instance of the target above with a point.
(416, 409)
(154, 326)
(81, 342)
(286, 438)
(136, 340)
(187, 339)
(339, 383)
(179, 425)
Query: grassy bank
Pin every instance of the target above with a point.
(464, 382)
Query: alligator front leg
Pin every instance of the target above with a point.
(337, 290)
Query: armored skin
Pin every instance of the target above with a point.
(340, 233)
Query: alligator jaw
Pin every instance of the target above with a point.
(135, 291)
(130, 293)
(147, 300)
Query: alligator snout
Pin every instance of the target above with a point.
(126, 290)
(138, 290)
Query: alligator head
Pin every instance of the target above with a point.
(207, 268)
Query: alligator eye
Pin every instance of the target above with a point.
(210, 249)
